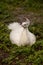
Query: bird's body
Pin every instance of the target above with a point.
(21, 36)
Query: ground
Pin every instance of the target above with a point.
(15, 10)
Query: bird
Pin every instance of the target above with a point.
(20, 35)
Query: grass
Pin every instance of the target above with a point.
(25, 55)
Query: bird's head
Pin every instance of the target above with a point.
(26, 23)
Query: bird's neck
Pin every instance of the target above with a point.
(26, 28)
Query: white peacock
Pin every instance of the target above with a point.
(20, 35)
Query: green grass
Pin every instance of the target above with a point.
(11, 54)
(21, 55)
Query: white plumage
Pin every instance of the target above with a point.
(20, 35)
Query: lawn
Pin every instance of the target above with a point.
(15, 10)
